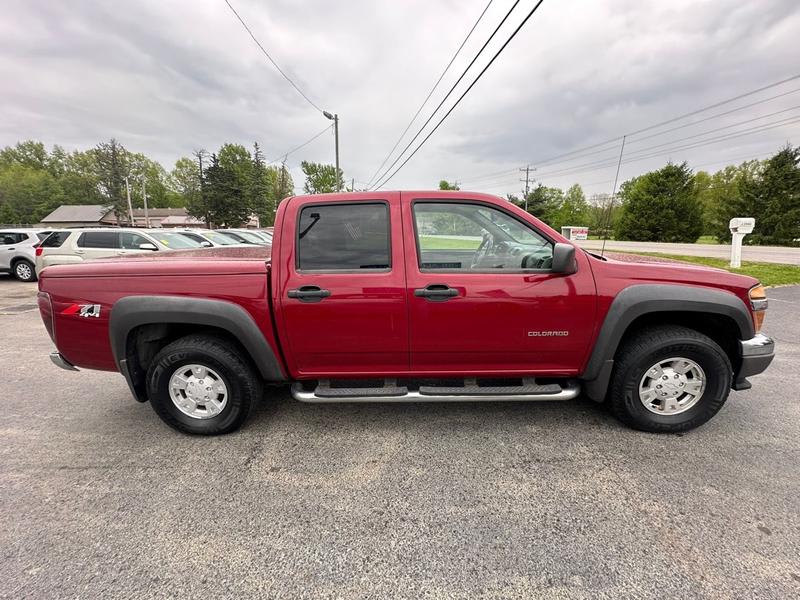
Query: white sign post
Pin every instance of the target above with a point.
(739, 227)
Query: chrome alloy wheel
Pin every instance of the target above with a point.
(672, 386)
(198, 391)
(23, 271)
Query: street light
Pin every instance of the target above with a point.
(335, 119)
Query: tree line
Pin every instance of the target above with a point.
(675, 204)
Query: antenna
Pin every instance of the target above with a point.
(613, 197)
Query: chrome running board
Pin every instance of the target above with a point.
(530, 392)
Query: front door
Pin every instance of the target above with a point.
(482, 298)
(343, 302)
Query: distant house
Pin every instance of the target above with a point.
(96, 215)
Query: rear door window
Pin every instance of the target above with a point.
(8, 238)
(99, 239)
(55, 239)
(344, 237)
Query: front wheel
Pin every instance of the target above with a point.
(669, 379)
(202, 385)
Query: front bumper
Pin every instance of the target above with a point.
(757, 353)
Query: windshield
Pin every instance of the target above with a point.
(174, 240)
(251, 237)
(218, 238)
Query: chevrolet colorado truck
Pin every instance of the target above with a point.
(408, 296)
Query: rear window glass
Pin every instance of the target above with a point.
(99, 239)
(343, 237)
(42, 235)
(55, 239)
(9, 238)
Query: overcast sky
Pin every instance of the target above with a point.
(168, 77)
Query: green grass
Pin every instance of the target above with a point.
(769, 274)
(707, 239)
(440, 242)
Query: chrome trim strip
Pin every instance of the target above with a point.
(758, 345)
(62, 362)
(569, 392)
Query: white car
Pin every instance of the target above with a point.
(208, 238)
(18, 251)
(76, 245)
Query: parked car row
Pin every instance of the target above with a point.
(25, 252)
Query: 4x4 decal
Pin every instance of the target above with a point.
(82, 310)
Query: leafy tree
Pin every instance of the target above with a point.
(543, 202)
(262, 200)
(573, 210)
(446, 185)
(661, 206)
(320, 178)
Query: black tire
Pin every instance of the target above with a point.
(24, 270)
(239, 376)
(648, 347)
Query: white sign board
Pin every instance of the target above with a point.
(575, 233)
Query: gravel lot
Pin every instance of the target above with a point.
(100, 499)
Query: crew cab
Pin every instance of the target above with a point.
(408, 296)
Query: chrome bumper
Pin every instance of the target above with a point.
(758, 346)
(62, 362)
(757, 353)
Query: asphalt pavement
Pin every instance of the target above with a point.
(769, 254)
(100, 499)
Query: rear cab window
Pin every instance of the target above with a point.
(344, 237)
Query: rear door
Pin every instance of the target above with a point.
(342, 289)
(9, 242)
(97, 244)
(482, 298)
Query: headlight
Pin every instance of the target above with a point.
(759, 303)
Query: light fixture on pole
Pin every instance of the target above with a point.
(335, 119)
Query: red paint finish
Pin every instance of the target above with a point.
(362, 327)
(372, 324)
(500, 323)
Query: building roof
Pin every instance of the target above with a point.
(160, 212)
(184, 220)
(77, 213)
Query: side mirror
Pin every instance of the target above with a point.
(148, 246)
(206, 244)
(564, 259)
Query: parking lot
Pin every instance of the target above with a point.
(548, 500)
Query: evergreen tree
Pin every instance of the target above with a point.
(661, 206)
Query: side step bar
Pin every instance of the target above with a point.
(469, 393)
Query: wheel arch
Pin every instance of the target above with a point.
(719, 314)
(139, 326)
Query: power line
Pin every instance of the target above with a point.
(303, 145)
(428, 97)
(452, 88)
(447, 114)
(274, 64)
(613, 140)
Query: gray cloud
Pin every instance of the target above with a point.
(168, 77)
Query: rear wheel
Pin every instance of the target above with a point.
(24, 270)
(202, 385)
(669, 379)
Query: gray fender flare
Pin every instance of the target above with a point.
(637, 300)
(133, 311)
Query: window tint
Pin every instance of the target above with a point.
(344, 237)
(469, 236)
(99, 239)
(8, 238)
(55, 239)
(42, 235)
(131, 241)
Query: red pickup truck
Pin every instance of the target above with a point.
(409, 296)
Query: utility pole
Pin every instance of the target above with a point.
(527, 170)
(335, 118)
(144, 197)
(130, 207)
(353, 185)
